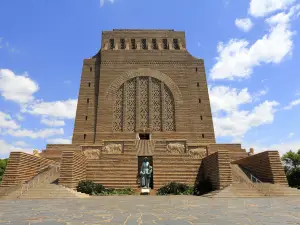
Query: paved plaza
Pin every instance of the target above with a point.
(151, 210)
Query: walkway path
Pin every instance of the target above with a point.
(151, 210)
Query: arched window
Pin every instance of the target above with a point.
(132, 111)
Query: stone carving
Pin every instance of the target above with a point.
(92, 153)
(197, 153)
(36, 153)
(175, 148)
(112, 149)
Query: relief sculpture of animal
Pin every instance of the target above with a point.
(175, 148)
(197, 153)
(92, 153)
(112, 149)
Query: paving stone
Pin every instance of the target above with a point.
(131, 210)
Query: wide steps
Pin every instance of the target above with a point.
(51, 191)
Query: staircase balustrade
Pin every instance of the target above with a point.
(48, 175)
(245, 176)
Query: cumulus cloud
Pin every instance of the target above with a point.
(260, 8)
(60, 109)
(292, 104)
(102, 2)
(234, 122)
(59, 141)
(227, 99)
(6, 148)
(52, 122)
(34, 134)
(237, 123)
(244, 24)
(7, 122)
(17, 88)
(237, 58)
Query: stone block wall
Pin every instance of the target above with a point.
(54, 151)
(235, 150)
(22, 167)
(217, 168)
(266, 166)
(73, 168)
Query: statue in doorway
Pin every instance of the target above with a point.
(146, 172)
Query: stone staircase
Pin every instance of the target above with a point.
(41, 186)
(246, 187)
(180, 168)
(115, 170)
(51, 191)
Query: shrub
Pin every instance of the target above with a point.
(91, 188)
(175, 188)
(202, 187)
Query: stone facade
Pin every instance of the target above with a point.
(143, 94)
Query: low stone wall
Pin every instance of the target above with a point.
(266, 166)
(22, 167)
(229, 147)
(73, 168)
(217, 168)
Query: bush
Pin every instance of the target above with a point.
(175, 188)
(203, 187)
(91, 188)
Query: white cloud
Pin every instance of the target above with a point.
(237, 58)
(7, 122)
(44, 133)
(244, 24)
(17, 88)
(53, 122)
(103, 1)
(257, 95)
(237, 123)
(59, 141)
(60, 109)
(292, 104)
(227, 99)
(21, 144)
(291, 135)
(6, 148)
(234, 122)
(20, 117)
(260, 8)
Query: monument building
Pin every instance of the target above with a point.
(144, 95)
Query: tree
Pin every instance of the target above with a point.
(291, 161)
(3, 164)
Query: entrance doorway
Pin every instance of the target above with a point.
(140, 161)
(144, 136)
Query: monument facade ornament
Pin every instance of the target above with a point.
(197, 153)
(175, 148)
(112, 149)
(92, 153)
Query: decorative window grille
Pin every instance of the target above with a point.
(111, 43)
(141, 93)
(144, 44)
(175, 44)
(165, 44)
(122, 43)
(154, 44)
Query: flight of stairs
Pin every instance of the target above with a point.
(243, 187)
(52, 191)
(115, 170)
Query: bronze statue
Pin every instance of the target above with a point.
(146, 172)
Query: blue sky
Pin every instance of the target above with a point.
(251, 50)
